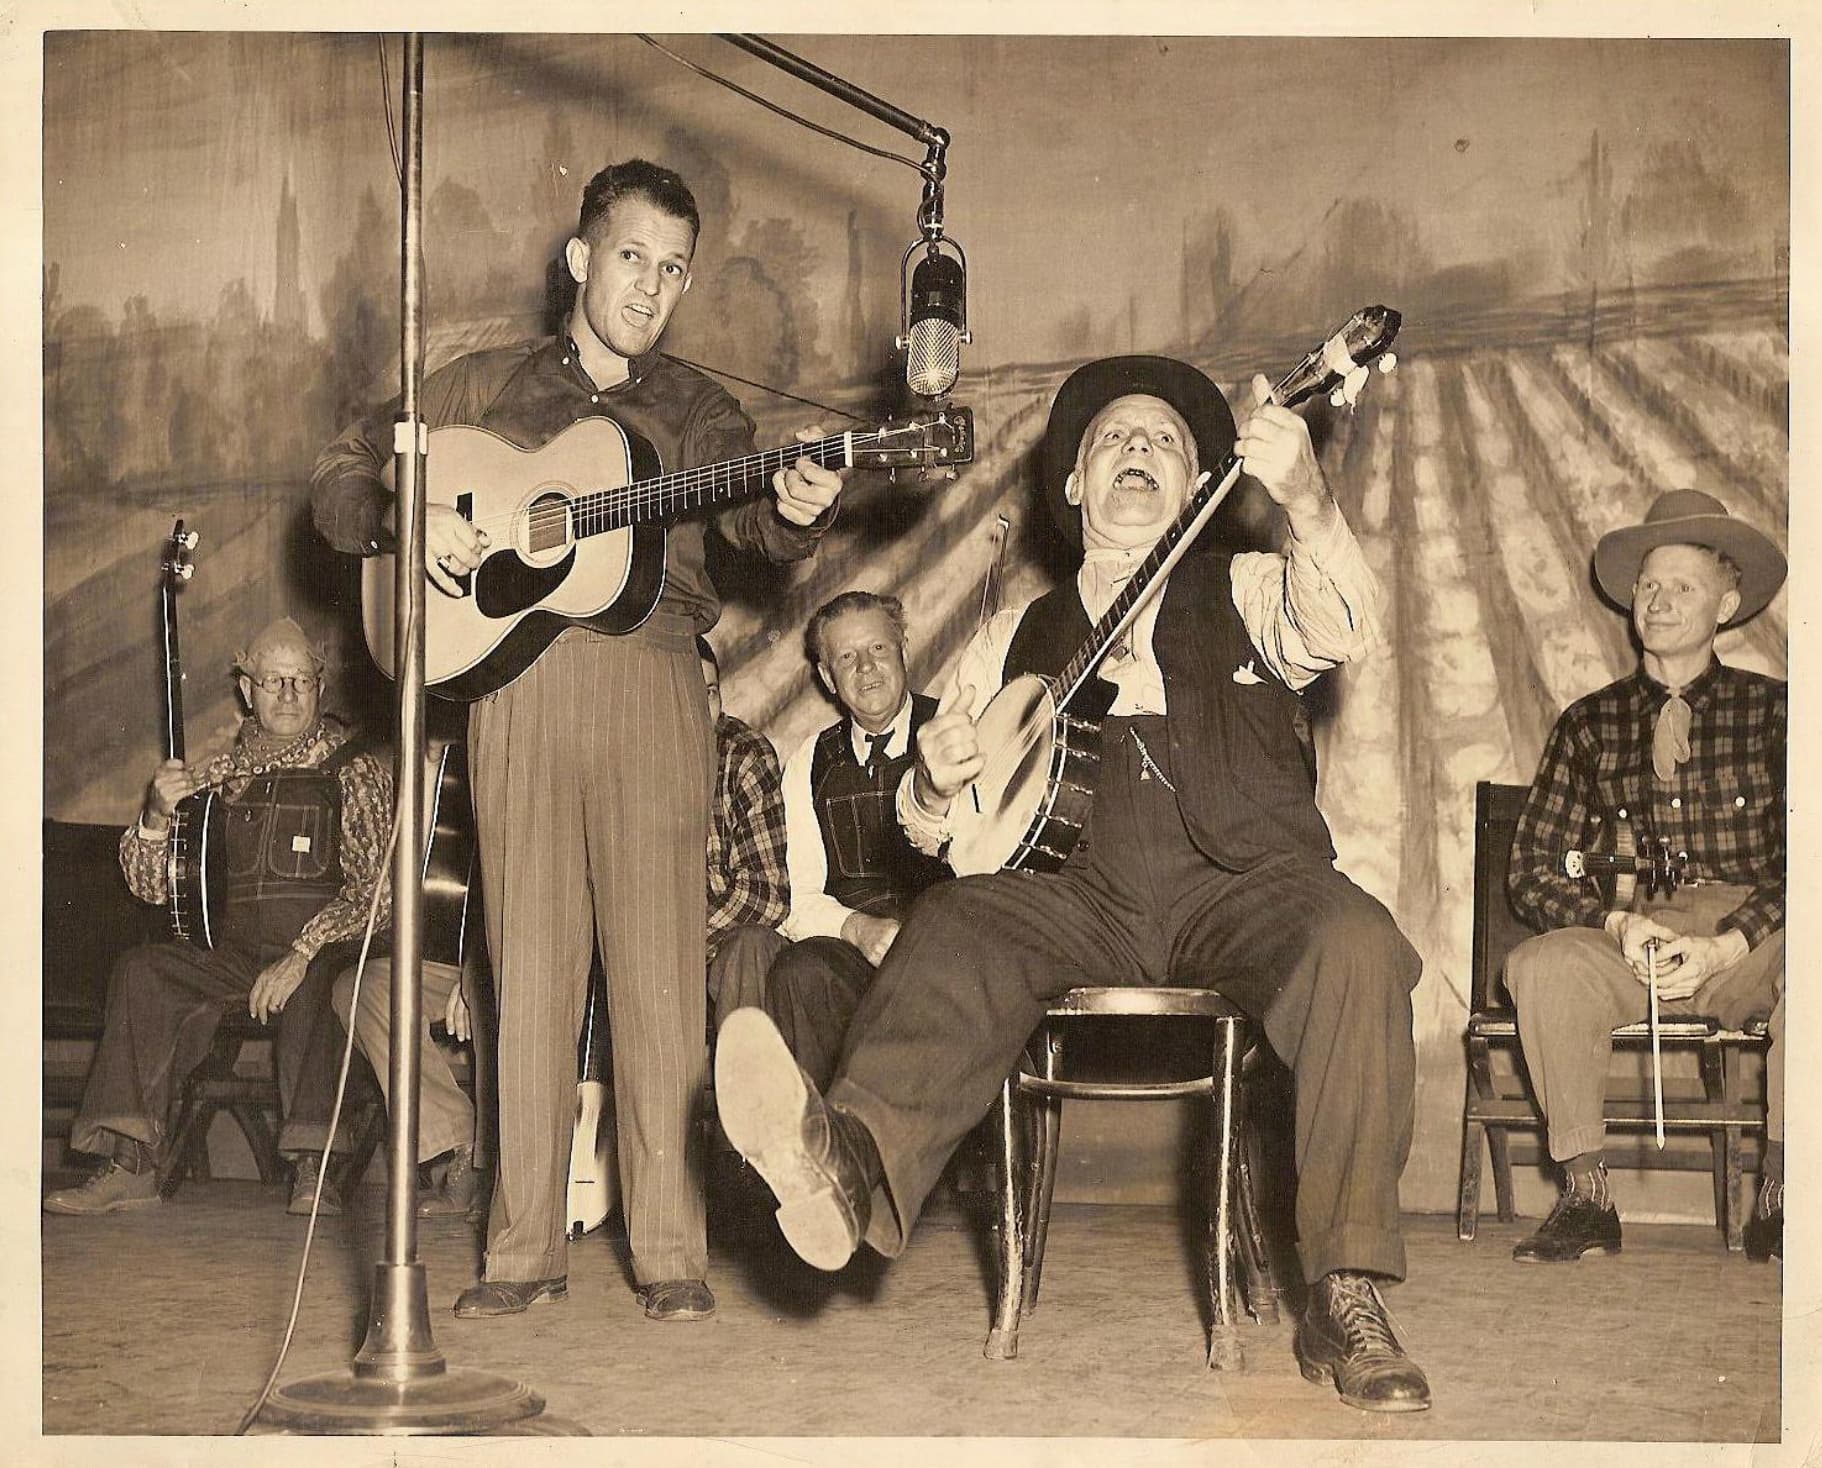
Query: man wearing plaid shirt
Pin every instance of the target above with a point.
(1689, 754)
(749, 886)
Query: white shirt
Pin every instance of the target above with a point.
(1305, 612)
(815, 914)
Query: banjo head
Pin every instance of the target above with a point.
(991, 816)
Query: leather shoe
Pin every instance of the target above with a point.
(677, 1299)
(508, 1296)
(111, 1190)
(1764, 1236)
(458, 1191)
(1577, 1225)
(773, 1115)
(303, 1189)
(1345, 1336)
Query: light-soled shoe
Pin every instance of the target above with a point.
(112, 1190)
(456, 1194)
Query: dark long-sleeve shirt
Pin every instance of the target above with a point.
(748, 880)
(1724, 807)
(531, 392)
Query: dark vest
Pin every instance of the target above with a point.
(873, 868)
(283, 851)
(1240, 753)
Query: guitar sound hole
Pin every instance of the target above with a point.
(547, 524)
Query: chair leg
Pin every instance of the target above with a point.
(1723, 1142)
(1043, 1172)
(1480, 1077)
(1224, 1349)
(1261, 1284)
(262, 1140)
(1003, 1338)
(1467, 1202)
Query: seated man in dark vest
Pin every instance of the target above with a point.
(1205, 862)
(306, 825)
(854, 873)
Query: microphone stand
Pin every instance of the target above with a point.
(398, 1381)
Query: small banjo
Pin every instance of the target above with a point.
(1041, 736)
(196, 846)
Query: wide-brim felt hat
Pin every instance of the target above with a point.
(1689, 517)
(1093, 386)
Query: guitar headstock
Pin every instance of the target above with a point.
(938, 439)
(1339, 365)
(179, 564)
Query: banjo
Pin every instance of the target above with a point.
(1041, 736)
(197, 825)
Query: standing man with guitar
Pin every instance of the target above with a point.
(592, 763)
(1686, 755)
(307, 819)
(1206, 862)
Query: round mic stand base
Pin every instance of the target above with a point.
(399, 1382)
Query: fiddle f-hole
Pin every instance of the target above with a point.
(545, 527)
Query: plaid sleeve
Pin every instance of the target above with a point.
(748, 881)
(366, 824)
(1559, 813)
(1762, 913)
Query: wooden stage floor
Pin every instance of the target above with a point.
(166, 1321)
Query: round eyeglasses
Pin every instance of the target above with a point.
(300, 683)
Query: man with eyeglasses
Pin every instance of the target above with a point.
(305, 832)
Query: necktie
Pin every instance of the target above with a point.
(1670, 737)
(876, 748)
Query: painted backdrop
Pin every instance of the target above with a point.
(1588, 240)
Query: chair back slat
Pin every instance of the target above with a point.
(1497, 929)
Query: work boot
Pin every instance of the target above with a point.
(303, 1188)
(1345, 1335)
(457, 1192)
(1765, 1229)
(112, 1190)
(1577, 1225)
(819, 1162)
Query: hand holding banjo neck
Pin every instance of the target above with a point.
(1039, 737)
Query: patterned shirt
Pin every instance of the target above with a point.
(748, 881)
(366, 788)
(1724, 808)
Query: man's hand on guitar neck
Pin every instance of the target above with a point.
(805, 489)
(948, 752)
(453, 545)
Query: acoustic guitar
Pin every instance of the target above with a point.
(576, 533)
(1041, 736)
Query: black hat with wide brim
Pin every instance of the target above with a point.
(1092, 387)
(1689, 517)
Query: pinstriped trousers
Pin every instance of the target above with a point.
(591, 777)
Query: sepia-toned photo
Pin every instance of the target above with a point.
(933, 672)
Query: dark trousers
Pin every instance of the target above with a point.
(1317, 962)
(165, 1002)
(738, 962)
(811, 993)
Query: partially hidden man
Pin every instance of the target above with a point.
(1684, 751)
(854, 872)
(592, 768)
(1206, 860)
(307, 819)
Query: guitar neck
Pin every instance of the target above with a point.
(713, 484)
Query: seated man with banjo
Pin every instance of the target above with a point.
(1206, 860)
(303, 824)
(1687, 755)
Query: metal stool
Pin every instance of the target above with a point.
(1031, 1104)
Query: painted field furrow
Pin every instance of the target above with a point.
(1543, 615)
(1748, 450)
(1760, 383)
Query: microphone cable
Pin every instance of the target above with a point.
(335, 1114)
